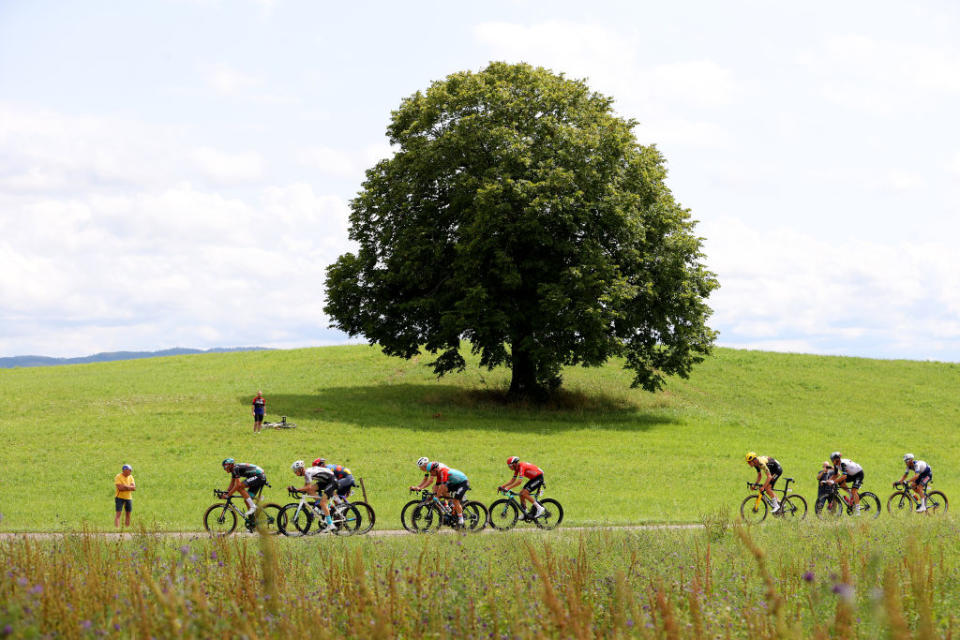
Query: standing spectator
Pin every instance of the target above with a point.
(123, 501)
(259, 408)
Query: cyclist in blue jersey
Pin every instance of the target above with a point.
(450, 483)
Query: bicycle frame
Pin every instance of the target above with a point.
(753, 486)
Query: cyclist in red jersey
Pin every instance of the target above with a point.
(534, 477)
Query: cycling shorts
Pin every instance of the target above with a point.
(254, 484)
(855, 481)
(344, 485)
(926, 477)
(534, 484)
(123, 504)
(458, 490)
(329, 487)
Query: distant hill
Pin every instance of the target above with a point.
(45, 361)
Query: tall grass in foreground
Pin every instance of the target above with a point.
(865, 580)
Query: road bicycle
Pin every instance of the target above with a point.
(221, 518)
(431, 513)
(506, 512)
(298, 518)
(904, 502)
(407, 510)
(754, 507)
(833, 504)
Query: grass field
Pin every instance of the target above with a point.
(855, 580)
(611, 454)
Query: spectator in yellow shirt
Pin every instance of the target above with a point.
(123, 501)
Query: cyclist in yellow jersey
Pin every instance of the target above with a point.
(767, 465)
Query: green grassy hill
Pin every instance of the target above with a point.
(611, 454)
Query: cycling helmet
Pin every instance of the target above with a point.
(422, 461)
(512, 460)
(907, 457)
(751, 456)
(319, 461)
(834, 455)
(227, 461)
(297, 466)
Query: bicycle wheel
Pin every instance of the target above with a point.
(552, 514)
(899, 504)
(269, 515)
(793, 508)
(869, 505)
(219, 519)
(367, 517)
(828, 507)
(503, 514)
(346, 519)
(752, 511)
(294, 521)
(936, 503)
(425, 518)
(474, 516)
(405, 514)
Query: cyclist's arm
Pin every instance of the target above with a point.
(234, 484)
(423, 483)
(514, 482)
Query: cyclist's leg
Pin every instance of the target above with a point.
(532, 489)
(855, 488)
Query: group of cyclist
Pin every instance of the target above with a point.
(844, 473)
(453, 484)
(324, 480)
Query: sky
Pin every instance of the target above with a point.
(178, 172)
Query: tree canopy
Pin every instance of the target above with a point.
(520, 216)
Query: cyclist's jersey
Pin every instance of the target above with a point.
(339, 471)
(259, 404)
(920, 467)
(849, 467)
(769, 464)
(317, 475)
(528, 470)
(245, 470)
(446, 475)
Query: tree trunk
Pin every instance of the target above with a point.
(523, 382)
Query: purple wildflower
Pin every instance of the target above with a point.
(808, 576)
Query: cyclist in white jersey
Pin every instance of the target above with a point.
(319, 479)
(848, 470)
(923, 475)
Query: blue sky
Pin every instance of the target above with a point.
(177, 173)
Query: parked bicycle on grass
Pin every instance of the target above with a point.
(755, 507)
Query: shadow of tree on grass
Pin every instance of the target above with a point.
(430, 407)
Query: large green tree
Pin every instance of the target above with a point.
(520, 216)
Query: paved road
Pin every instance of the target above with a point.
(195, 535)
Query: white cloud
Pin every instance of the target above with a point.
(785, 287)
(227, 80)
(655, 94)
(343, 163)
(883, 77)
(228, 167)
(954, 164)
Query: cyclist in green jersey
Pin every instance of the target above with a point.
(245, 478)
